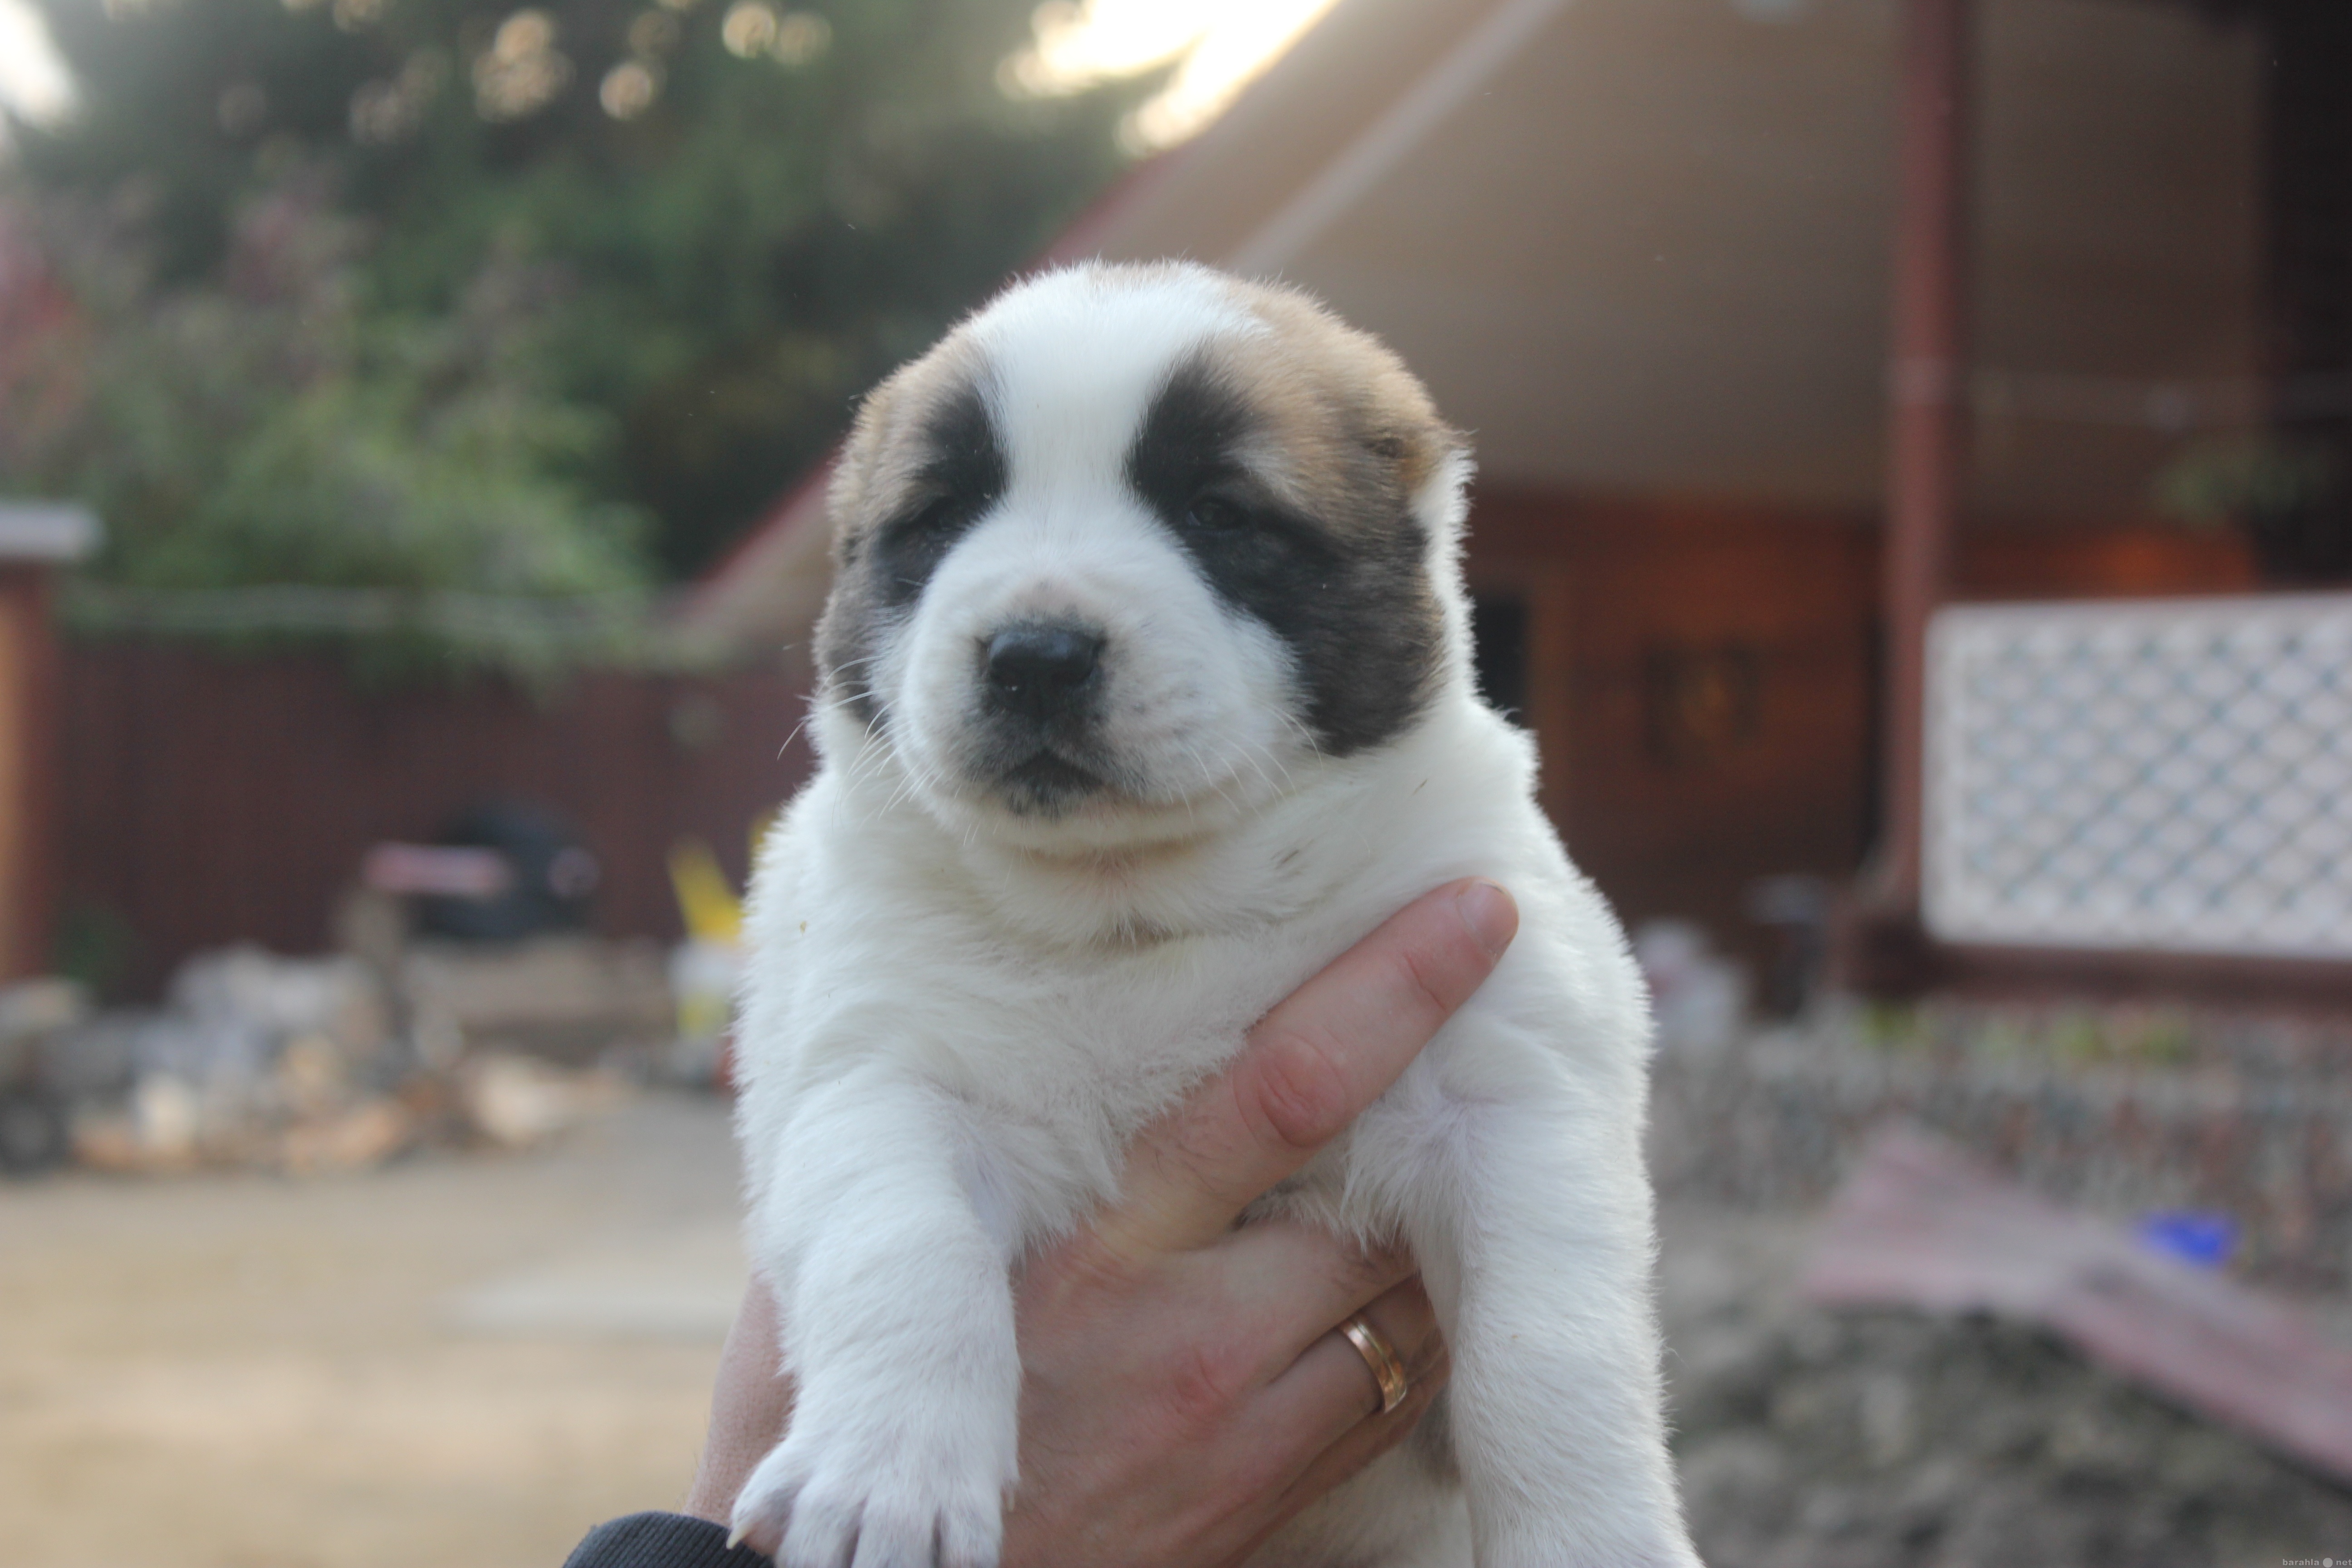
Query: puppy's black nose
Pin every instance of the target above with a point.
(1039, 670)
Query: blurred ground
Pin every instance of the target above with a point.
(1813, 1439)
(469, 1359)
(458, 1360)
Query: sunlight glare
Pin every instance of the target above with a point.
(33, 79)
(1223, 44)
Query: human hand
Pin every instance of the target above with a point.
(1185, 1390)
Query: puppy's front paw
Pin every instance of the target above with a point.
(813, 1504)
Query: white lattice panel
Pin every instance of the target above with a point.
(2168, 775)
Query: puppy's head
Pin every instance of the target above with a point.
(1131, 549)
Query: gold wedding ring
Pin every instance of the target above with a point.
(1388, 1369)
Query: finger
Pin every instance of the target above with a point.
(1357, 1447)
(1373, 1436)
(1319, 1057)
(1280, 1284)
(1331, 1387)
(750, 1406)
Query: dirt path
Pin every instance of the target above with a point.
(457, 1361)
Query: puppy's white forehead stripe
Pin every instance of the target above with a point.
(1073, 365)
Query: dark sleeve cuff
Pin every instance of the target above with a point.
(662, 1540)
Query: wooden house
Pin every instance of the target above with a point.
(1779, 325)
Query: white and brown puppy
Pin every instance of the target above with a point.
(1144, 692)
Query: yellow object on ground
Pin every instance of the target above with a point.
(710, 907)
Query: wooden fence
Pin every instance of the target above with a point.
(208, 798)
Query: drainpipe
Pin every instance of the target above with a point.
(1927, 413)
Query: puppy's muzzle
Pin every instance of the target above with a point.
(1045, 673)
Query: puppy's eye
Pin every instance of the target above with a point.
(908, 548)
(941, 512)
(937, 520)
(1212, 515)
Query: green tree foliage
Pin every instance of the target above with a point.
(263, 427)
(446, 293)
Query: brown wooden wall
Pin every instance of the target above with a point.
(210, 799)
(1701, 676)
(1699, 680)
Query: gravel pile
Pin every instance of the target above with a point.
(1809, 1439)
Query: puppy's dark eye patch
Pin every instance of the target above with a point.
(1186, 449)
(961, 479)
(1338, 576)
(1184, 463)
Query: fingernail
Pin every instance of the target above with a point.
(1489, 913)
